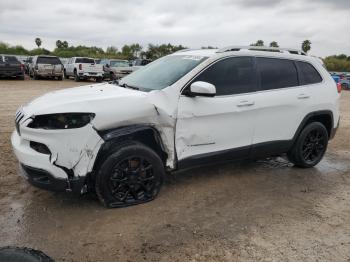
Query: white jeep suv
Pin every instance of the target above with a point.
(189, 108)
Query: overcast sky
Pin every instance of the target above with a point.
(193, 23)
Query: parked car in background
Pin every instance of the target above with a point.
(46, 66)
(116, 68)
(345, 81)
(10, 66)
(27, 63)
(83, 68)
(140, 62)
(186, 109)
(342, 78)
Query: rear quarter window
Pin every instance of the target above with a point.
(308, 74)
(277, 73)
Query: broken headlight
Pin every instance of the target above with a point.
(61, 121)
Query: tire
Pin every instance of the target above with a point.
(99, 79)
(131, 175)
(16, 254)
(35, 76)
(310, 146)
(59, 78)
(21, 77)
(76, 77)
(112, 76)
(65, 75)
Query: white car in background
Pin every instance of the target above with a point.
(116, 68)
(83, 68)
(190, 108)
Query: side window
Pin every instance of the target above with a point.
(308, 74)
(234, 75)
(277, 73)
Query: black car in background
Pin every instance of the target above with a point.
(10, 66)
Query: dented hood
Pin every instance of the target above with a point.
(113, 105)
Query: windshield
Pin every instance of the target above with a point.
(119, 63)
(162, 72)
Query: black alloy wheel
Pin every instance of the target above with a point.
(314, 145)
(131, 175)
(310, 146)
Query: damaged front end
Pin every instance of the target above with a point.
(56, 151)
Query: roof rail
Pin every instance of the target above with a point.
(261, 48)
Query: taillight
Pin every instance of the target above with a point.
(339, 87)
(22, 67)
(80, 67)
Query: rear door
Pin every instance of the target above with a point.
(220, 127)
(281, 105)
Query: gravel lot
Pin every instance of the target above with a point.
(260, 211)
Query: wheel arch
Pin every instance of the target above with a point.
(325, 117)
(145, 134)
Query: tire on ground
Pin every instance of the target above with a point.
(123, 151)
(296, 153)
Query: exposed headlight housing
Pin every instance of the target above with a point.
(61, 121)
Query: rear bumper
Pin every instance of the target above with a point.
(49, 74)
(90, 75)
(43, 179)
(13, 73)
(334, 130)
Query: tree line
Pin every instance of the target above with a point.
(63, 49)
(151, 51)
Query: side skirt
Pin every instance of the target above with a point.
(262, 150)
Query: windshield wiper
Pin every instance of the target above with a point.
(130, 87)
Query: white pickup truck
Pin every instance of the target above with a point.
(83, 68)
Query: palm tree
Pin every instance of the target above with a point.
(38, 41)
(306, 46)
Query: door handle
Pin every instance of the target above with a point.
(303, 96)
(245, 103)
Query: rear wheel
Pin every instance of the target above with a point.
(99, 79)
(113, 76)
(345, 86)
(76, 77)
(65, 74)
(310, 146)
(21, 77)
(131, 175)
(35, 76)
(59, 78)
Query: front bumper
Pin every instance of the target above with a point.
(72, 156)
(44, 180)
(90, 75)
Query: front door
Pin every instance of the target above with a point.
(220, 127)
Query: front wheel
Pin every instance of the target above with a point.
(131, 175)
(76, 77)
(310, 146)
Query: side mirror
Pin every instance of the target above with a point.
(201, 88)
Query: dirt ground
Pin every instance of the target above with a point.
(260, 211)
